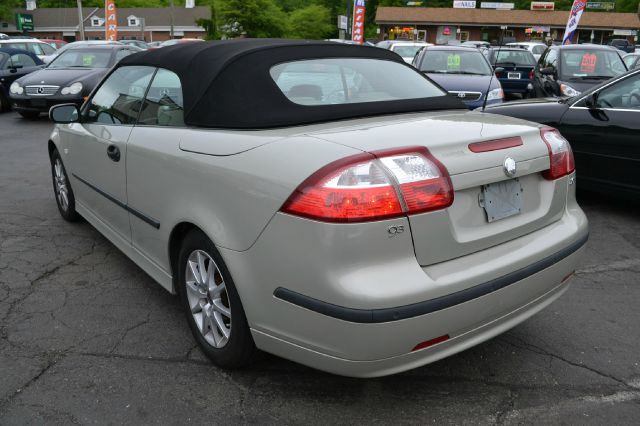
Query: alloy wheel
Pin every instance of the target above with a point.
(60, 180)
(208, 298)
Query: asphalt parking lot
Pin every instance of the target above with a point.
(87, 337)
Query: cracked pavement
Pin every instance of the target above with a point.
(86, 337)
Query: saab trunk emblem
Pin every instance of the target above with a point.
(510, 167)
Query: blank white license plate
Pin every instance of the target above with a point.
(513, 75)
(502, 199)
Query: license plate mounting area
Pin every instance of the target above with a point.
(501, 199)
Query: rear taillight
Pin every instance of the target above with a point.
(380, 185)
(561, 162)
(531, 75)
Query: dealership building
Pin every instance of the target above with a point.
(142, 23)
(489, 21)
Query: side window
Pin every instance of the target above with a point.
(122, 54)
(538, 50)
(163, 105)
(35, 48)
(623, 95)
(119, 98)
(20, 60)
(46, 48)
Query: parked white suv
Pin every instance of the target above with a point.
(34, 46)
(535, 47)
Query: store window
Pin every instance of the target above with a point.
(446, 33)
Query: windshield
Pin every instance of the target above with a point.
(348, 81)
(513, 57)
(585, 64)
(406, 51)
(455, 62)
(82, 58)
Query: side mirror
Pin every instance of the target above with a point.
(548, 71)
(591, 101)
(498, 70)
(64, 113)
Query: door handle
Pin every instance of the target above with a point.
(113, 152)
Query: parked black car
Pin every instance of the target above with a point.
(571, 69)
(514, 68)
(622, 44)
(14, 63)
(603, 127)
(68, 78)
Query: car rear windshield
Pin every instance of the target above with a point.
(349, 81)
(406, 51)
(82, 58)
(455, 62)
(513, 58)
(584, 63)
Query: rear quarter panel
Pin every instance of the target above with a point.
(230, 197)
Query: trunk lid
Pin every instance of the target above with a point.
(466, 226)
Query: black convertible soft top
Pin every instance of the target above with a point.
(227, 84)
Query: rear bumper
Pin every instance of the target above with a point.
(465, 339)
(351, 300)
(374, 316)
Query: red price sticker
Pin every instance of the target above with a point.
(588, 63)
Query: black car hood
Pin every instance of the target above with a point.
(62, 76)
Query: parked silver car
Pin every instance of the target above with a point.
(301, 202)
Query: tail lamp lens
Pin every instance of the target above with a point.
(560, 154)
(372, 187)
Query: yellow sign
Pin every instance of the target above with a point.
(453, 62)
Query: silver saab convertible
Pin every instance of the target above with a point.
(323, 202)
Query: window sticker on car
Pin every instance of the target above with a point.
(87, 60)
(453, 62)
(588, 63)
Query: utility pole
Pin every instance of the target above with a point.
(171, 15)
(80, 20)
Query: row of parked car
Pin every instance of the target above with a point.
(58, 72)
(470, 70)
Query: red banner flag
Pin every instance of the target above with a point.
(111, 24)
(357, 30)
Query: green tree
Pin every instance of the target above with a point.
(312, 22)
(256, 18)
(6, 9)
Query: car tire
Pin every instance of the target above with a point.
(29, 115)
(62, 189)
(5, 105)
(210, 299)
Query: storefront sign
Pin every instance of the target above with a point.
(464, 4)
(416, 3)
(111, 25)
(624, 32)
(492, 5)
(574, 19)
(343, 21)
(24, 22)
(601, 5)
(543, 5)
(357, 31)
(540, 29)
